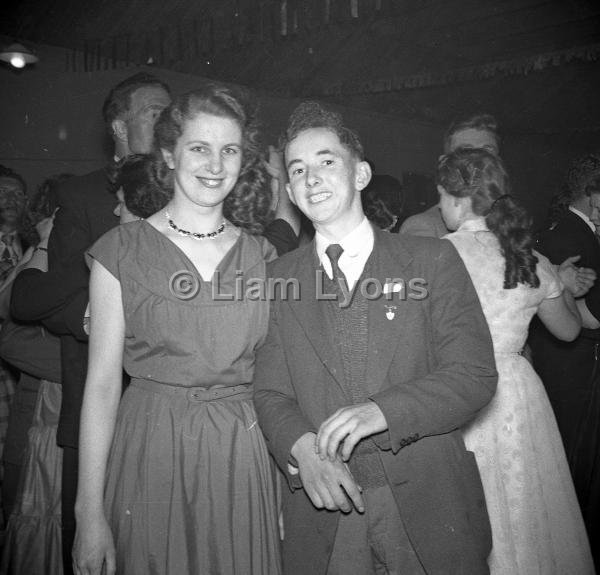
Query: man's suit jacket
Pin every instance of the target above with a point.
(434, 365)
(569, 369)
(428, 224)
(59, 297)
(571, 236)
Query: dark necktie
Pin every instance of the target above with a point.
(334, 251)
(8, 257)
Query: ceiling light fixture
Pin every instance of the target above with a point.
(18, 56)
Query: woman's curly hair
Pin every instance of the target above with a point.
(382, 201)
(45, 201)
(481, 176)
(143, 192)
(248, 205)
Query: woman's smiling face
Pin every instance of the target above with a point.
(207, 159)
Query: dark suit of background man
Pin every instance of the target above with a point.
(380, 386)
(478, 131)
(59, 297)
(571, 370)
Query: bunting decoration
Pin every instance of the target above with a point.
(517, 66)
(197, 40)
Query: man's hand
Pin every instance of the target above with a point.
(348, 426)
(327, 483)
(577, 280)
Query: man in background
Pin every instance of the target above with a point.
(478, 131)
(571, 370)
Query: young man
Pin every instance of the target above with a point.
(479, 131)
(362, 398)
(571, 371)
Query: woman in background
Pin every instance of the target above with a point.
(32, 459)
(140, 190)
(17, 234)
(187, 485)
(536, 520)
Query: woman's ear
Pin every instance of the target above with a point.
(168, 158)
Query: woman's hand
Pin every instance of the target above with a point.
(44, 227)
(93, 548)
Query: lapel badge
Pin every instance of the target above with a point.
(390, 313)
(392, 287)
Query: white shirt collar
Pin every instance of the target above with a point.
(357, 245)
(584, 218)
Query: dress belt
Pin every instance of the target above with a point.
(197, 394)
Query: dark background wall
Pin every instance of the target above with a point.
(51, 122)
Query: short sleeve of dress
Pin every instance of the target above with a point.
(106, 251)
(549, 278)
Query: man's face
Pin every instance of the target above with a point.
(12, 200)
(473, 138)
(145, 106)
(325, 178)
(595, 208)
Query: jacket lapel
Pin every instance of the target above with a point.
(387, 313)
(309, 311)
(389, 262)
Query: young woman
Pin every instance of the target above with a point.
(536, 521)
(186, 486)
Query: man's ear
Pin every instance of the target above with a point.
(119, 130)
(363, 175)
(290, 194)
(168, 158)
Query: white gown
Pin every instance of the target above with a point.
(536, 521)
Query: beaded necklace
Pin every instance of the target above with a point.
(195, 235)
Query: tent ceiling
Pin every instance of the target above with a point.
(533, 63)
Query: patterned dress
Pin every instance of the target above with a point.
(10, 254)
(536, 520)
(189, 483)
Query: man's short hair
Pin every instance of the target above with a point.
(118, 100)
(582, 179)
(484, 122)
(582, 176)
(6, 172)
(310, 115)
